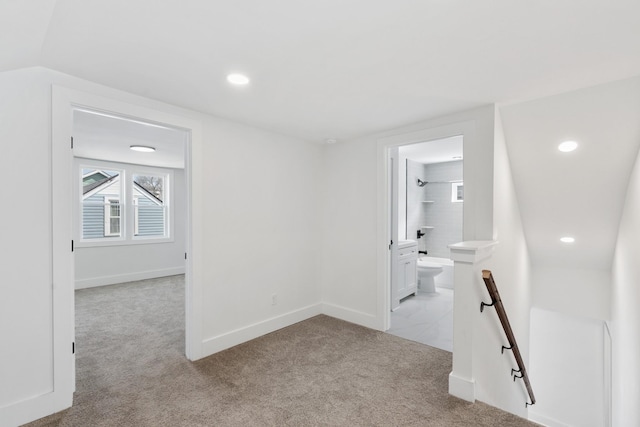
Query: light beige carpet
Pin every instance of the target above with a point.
(131, 371)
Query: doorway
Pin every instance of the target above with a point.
(65, 102)
(429, 205)
(129, 232)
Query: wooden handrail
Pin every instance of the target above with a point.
(513, 345)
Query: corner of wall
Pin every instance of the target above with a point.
(625, 323)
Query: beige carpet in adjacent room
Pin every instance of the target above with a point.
(131, 371)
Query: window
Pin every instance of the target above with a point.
(101, 209)
(457, 192)
(124, 204)
(111, 217)
(150, 215)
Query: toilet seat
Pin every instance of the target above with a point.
(427, 264)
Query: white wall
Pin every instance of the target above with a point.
(106, 265)
(512, 272)
(567, 341)
(583, 293)
(567, 363)
(262, 231)
(25, 260)
(625, 300)
(352, 197)
(350, 265)
(260, 202)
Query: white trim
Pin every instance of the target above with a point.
(136, 213)
(93, 282)
(256, 330)
(353, 316)
(108, 203)
(383, 234)
(544, 420)
(62, 263)
(463, 388)
(25, 411)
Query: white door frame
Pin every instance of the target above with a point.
(385, 207)
(394, 186)
(64, 100)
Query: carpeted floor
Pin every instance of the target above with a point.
(131, 371)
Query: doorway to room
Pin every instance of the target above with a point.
(64, 103)
(427, 216)
(130, 233)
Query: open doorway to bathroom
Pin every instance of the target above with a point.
(428, 181)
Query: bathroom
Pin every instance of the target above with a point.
(430, 218)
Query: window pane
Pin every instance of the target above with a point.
(115, 226)
(112, 218)
(150, 206)
(100, 218)
(154, 185)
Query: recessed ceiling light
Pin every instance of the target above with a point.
(238, 79)
(330, 140)
(567, 239)
(142, 148)
(568, 146)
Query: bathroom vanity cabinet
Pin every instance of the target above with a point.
(407, 280)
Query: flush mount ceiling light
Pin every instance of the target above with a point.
(238, 79)
(142, 148)
(567, 239)
(567, 146)
(330, 140)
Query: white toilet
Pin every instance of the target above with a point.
(426, 273)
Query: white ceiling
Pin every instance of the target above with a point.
(347, 68)
(332, 68)
(579, 194)
(106, 137)
(436, 151)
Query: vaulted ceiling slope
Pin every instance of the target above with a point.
(332, 68)
(581, 193)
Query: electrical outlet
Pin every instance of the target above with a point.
(274, 299)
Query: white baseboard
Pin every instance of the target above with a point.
(544, 420)
(36, 407)
(463, 388)
(227, 340)
(93, 282)
(358, 317)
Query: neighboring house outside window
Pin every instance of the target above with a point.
(111, 217)
(113, 198)
(150, 214)
(101, 208)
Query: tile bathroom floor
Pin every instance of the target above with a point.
(426, 318)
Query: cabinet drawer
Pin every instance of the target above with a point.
(411, 252)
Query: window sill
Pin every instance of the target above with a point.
(121, 242)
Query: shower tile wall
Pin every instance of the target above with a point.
(444, 215)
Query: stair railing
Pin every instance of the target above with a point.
(496, 302)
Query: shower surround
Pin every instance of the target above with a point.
(431, 205)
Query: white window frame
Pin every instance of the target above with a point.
(128, 223)
(454, 192)
(135, 215)
(108, 216)
(167, 176)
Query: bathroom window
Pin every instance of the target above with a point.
(457, 192)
